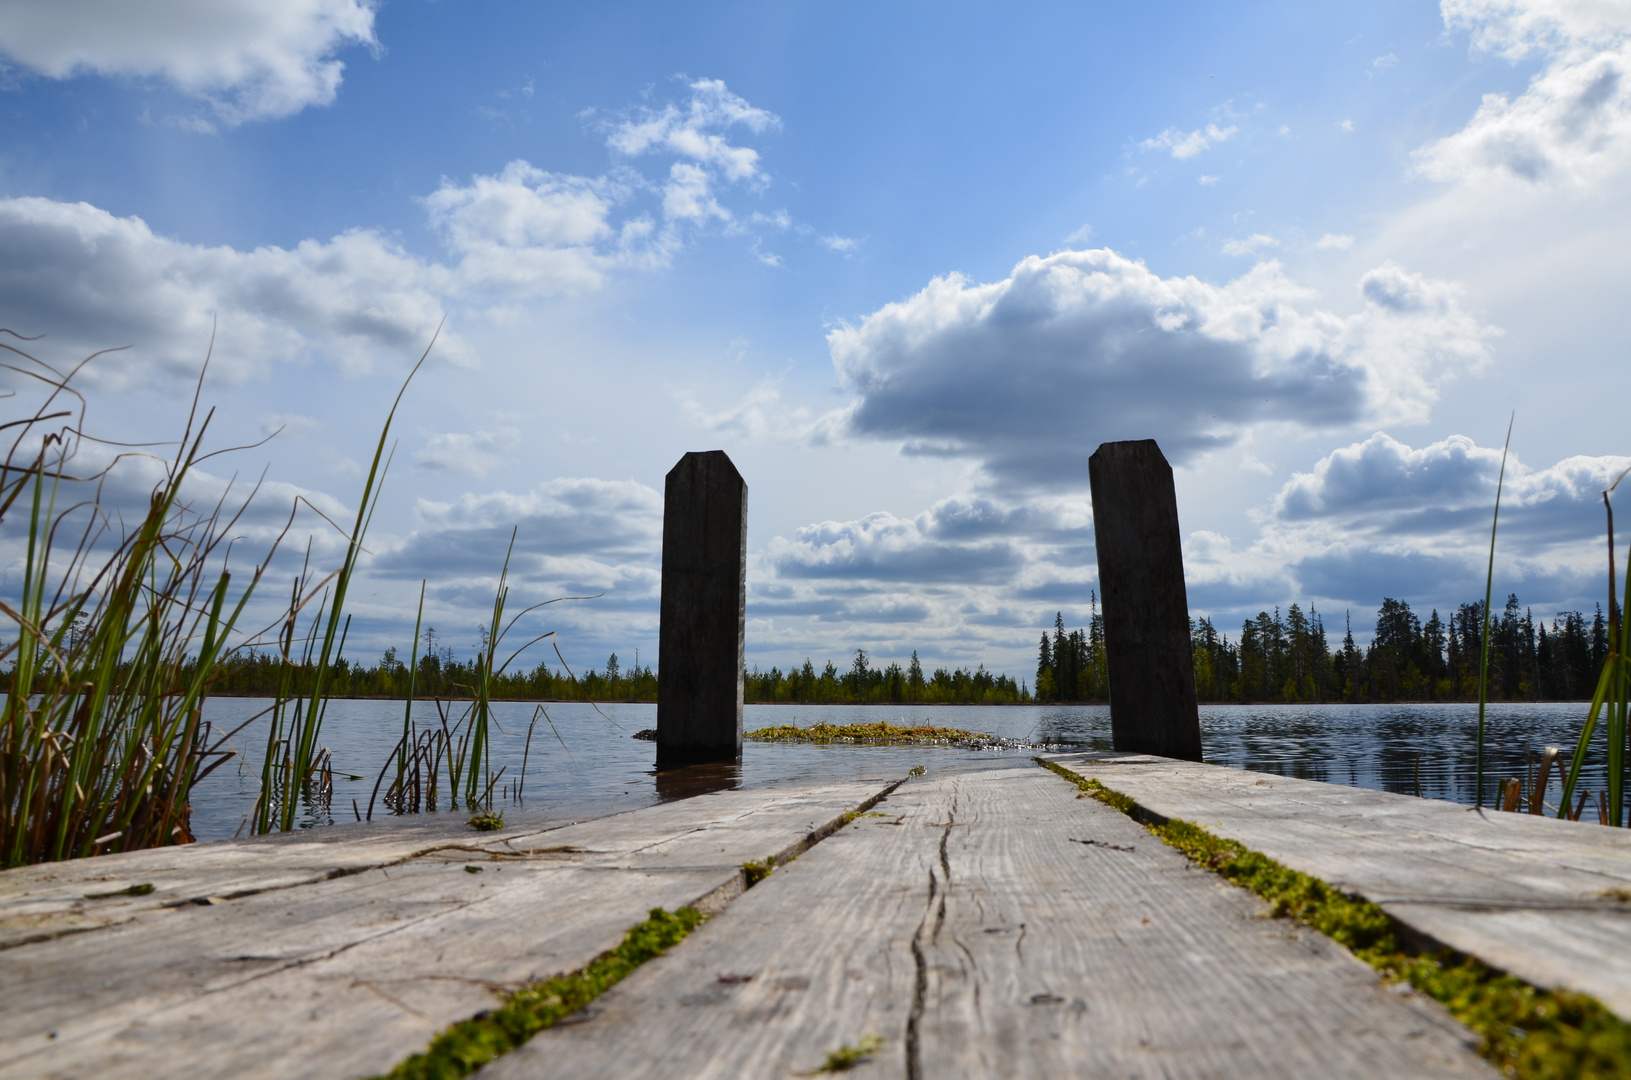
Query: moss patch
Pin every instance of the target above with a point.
(847, 1057)
(1526, 1031)
(464, 1047)
(883, 734)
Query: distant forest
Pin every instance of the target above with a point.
(1277, 658)
(1285, 659)
(863, 684)
(257, 674)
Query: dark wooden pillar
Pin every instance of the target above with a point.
(699, 644)
(1146, 610)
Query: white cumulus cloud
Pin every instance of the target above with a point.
(1384, 517)
(1251, 245)
(1184, 145)
(91, 280)
(696, 133)
(471, 453)
(1029, 374)
(527, 231)
(249, 59)
(1571, 123)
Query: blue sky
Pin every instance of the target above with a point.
(907, 264)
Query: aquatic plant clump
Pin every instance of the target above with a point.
(1525, 1031)
(880, 734)
(465, 1047)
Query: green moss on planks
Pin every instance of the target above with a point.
(1525, 1031)
(466, 1046)
(848, 1056)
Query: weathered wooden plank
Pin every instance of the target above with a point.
(1146, 609)
(704, 603)
(49, 899)
(995, 925)
(1548, 900)
(345, 977)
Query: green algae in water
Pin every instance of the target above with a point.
(1527, 1032)
(884, 734)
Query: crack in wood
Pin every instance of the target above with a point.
(936, 911)
(1104, 844)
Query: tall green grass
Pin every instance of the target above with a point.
(121, 626)
(117, 628)
(458, 746)
(1610, 701)
(294, 756)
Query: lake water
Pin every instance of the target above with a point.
(589, 764)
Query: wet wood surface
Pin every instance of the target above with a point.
(1547, 900)
(993, 924)
(338, 958)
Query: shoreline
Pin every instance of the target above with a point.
(933, 704)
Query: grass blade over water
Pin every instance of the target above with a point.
(1489, 586)
(1613, 690)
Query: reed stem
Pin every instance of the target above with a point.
(1489, 587)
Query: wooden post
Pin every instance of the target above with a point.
(1146, 610)
(699, 642)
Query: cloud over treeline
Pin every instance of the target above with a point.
(1384, 517)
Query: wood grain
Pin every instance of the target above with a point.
(1547, 900)
(995, 925)
(345, 976)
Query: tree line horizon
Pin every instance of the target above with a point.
(1288, 659)
(1276, 659)
(440, 674)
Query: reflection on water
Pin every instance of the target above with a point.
(1428, 749)
(584, 762)
(684, 781)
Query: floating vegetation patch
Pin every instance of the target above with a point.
(465, 1047)
(1525, 1031)
(879, 734)
(885, 734)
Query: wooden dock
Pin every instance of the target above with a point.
(1546, 900)
(973, 923)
